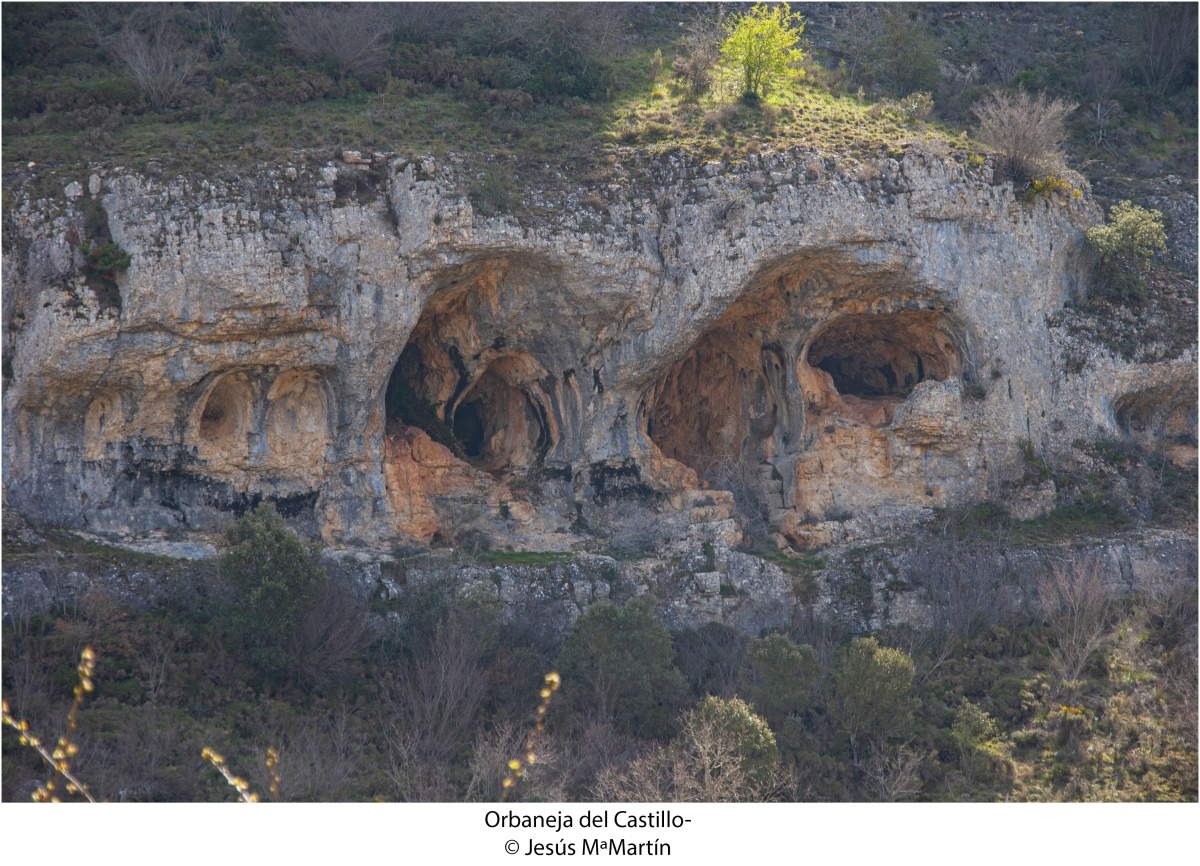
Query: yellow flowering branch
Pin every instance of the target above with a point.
(238, 783)
(517, 766)
(60, 759)
(272, 764)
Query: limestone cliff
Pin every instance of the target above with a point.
(830, 356)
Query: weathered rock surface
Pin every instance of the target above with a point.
(868, 350)
(694, 582)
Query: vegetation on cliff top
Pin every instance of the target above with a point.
(236, 84)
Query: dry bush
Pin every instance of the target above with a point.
(220, 19)
(421, 22)
(572, 36)
(866, 171)
(1078, 606)
(541, 781)
(1164, 41)
(857, 36)
(333, 635)
(1181, 681)
(702, 42)
(415, 777)
(1101, 117)
(892, 774)
(1028, 132)
(738, 475)
(1006, 64)
(432, 701)
(1102, 77)
(721, 115)
(964, 583)
(138, 765)
(320, 757)
(156, 55)
(712, 658)
(711, 761)
(589, 749)
(823, 634)
(357, 35)
(152, 647)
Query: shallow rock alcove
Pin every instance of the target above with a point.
(1163, 416)
(225, 421)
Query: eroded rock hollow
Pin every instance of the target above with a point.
(755, 348)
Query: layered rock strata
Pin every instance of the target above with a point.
(842, 355)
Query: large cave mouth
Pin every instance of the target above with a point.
(886, 354)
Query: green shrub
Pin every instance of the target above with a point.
(101, 265)
(975, 733)
(907, 54)
(1125, 246)
(492, 193)
(273, 577)
(871, 687)
(617, 666)
(779, 678)
(732, 727)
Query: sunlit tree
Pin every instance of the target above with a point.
(761, 46)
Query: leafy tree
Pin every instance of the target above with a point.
(1125, 246)
(273, 576)
(871, 689)
(907, 53)
(617, 665)
(761, 46)
(779, 677)
(730, 727)
(256, 26)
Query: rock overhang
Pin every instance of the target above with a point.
(295, 287)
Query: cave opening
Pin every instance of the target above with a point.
(468, 427)
(885, 355)
(1163, 414)
(488, 410)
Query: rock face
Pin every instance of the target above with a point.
(840, 355)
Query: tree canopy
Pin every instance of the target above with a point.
(761, 45)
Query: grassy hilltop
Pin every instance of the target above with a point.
(238, 84)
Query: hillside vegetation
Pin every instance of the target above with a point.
(191, 86)
(1072, 695)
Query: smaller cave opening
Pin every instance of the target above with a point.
(1158, 415)
(226, 412)
(885, 355)
(498, 423)
(494, 419)
(468, 427)
(407, 399)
